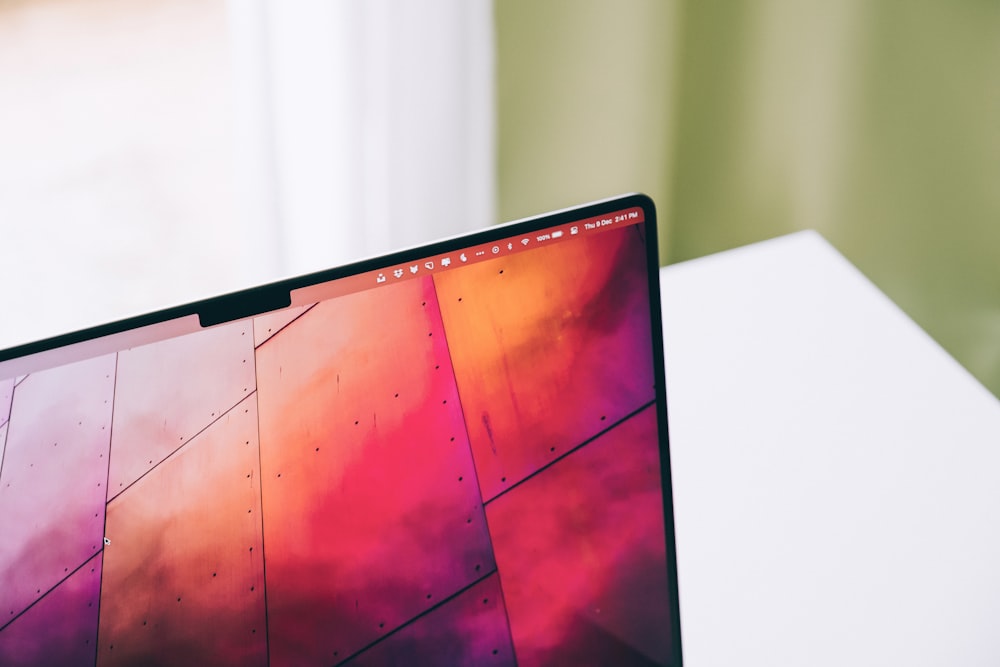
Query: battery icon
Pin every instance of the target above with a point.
(556, 234)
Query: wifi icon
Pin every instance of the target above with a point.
(525, 241)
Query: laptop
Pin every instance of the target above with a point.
(450, 455)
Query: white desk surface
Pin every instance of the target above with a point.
(836, 473)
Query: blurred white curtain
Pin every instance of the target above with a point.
(157, 152)
(361, 126)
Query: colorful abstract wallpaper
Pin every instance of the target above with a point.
(461, 468)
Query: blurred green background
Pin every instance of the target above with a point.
(876, 123)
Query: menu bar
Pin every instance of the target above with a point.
(471, 255)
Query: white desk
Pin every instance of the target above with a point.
(836, 473)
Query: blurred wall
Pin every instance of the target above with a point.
(583, 93)
(115, 181)
(157, 152)
(875, 123)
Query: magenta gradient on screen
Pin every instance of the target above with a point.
(453, 469)
(469, 629)
(61, 628)
(580, 551)
(371, 510)
(53, 483)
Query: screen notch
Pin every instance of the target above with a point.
(243, 304)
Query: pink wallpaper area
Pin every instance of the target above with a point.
(59, 628)
(168, 392)
(53, 481)
(455, 469)
(184, 561)
(371, 510)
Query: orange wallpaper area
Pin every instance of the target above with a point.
(550, 347)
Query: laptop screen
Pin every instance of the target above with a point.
(451, 455)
